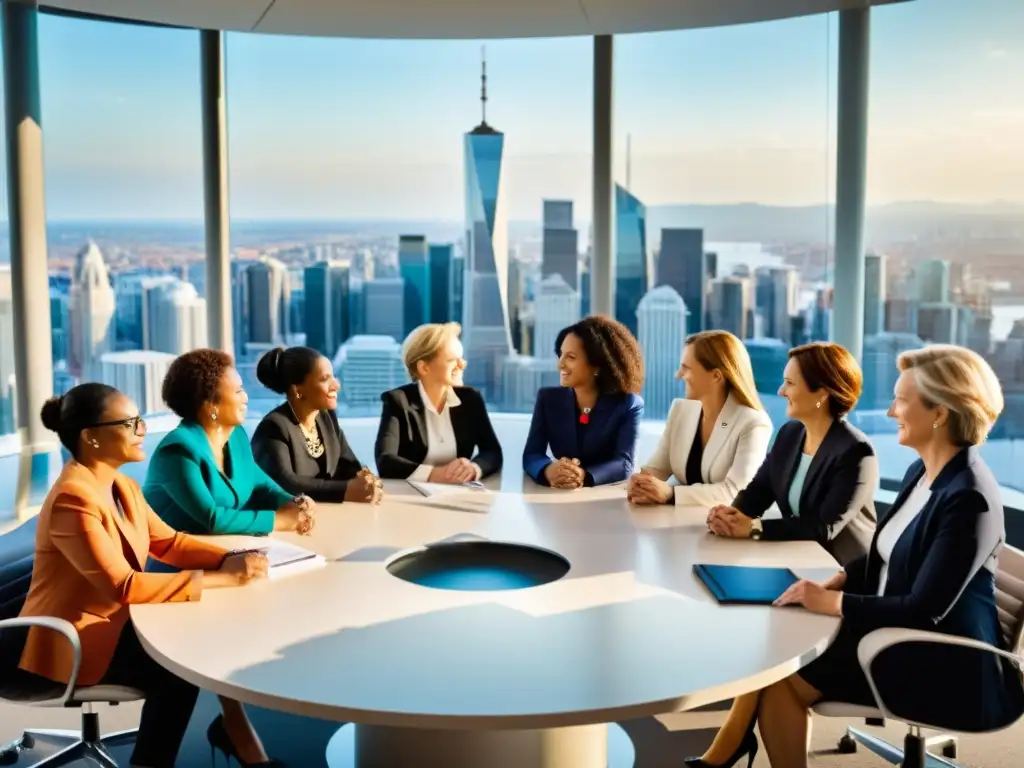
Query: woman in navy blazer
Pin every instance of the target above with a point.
(931, 567)
(821, 472)
(589, 423)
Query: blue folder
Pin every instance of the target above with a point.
(745, 585)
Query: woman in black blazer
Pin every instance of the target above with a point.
(931, 567)
(435, 430)
(300, 443)
(821, 472)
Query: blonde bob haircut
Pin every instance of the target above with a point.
(721, 351)
(423, 344)
(961, 382)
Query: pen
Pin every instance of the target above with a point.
(250, 551)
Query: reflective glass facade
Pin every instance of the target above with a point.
(632, 257)
(486, 330)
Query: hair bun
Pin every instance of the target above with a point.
(50, 413)
(268, 371)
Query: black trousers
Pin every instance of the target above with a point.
(168, 706)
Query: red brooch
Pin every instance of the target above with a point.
(585, 416)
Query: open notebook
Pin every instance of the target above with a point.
(287, 559)
(444, 489)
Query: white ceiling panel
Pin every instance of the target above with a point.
(434, 19)
(426, 18)
(239, 15)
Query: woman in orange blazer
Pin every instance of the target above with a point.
(93, 540)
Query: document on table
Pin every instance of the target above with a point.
(286, 559)
(444, 489)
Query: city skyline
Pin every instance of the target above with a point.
(727, 115)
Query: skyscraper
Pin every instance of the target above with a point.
(662, 320)
(139, 374)
(487, 337)
(384, 299)
(559, 247)
(729, 307)
(633, 268)
(327, 310)
(933, 281)
(368, 366)
(414, 266)
(91, 307)
(176, 318)
(682, 265)
(557, 306)
(874, 293)
(776, 289)
(269, 301)
(442, 262)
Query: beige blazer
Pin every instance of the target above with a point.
(734, 452)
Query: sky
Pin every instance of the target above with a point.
(348, 129)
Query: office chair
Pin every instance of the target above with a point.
(916, 746)
(24, 688)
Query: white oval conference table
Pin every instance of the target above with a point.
(526, 678)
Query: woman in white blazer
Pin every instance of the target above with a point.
(716, 438)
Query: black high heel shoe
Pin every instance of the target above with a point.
(747, 748)
(219, 741)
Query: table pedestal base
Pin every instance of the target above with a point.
(374, 746)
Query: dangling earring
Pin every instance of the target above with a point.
(94, 443)
(213, 415)
(818, 404)
(298, 395)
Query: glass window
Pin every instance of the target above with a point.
(373, 190)
(124, 201)
(944, 230)
(7, 407)
(724, 168)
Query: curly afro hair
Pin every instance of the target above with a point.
(610, 348)
(193, 379)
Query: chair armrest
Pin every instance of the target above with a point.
(67, 629)
(874, 643)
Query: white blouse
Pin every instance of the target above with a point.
(901, 520)
(441, 447)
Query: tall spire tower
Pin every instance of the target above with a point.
(486, 331)
(483, 85)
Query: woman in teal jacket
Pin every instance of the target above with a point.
(202, 478)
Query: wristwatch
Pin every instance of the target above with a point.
(756, 529)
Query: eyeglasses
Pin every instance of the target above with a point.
(135, 422)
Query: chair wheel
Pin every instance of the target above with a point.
(949, 751)
(9, 756)
(847, 745)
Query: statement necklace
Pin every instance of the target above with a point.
(314, 445)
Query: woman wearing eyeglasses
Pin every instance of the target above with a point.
(94, 538)
(203, 477)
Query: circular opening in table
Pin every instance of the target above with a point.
(479, 566)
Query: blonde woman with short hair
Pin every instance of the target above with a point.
(435, 429)
(716, 437)
(931, 567)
